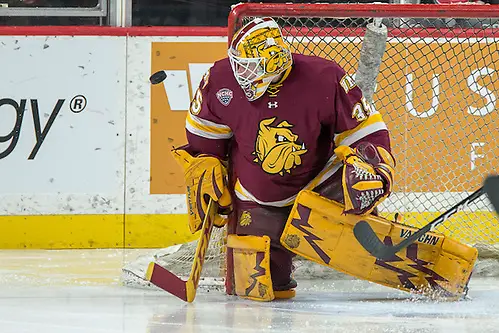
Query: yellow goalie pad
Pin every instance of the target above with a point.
(435, 265)
(251, 255)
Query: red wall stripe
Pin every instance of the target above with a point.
(110, 31)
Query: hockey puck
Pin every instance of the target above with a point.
(158, 77)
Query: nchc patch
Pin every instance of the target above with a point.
(225, 95)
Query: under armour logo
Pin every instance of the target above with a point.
(272, 105)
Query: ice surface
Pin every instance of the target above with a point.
(79, 291)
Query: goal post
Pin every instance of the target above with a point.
(240, 12)
(438, 92)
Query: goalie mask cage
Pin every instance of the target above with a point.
(438, 92)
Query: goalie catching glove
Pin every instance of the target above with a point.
(205, 178)
(367, 176)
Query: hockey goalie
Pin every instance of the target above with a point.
(295, 156)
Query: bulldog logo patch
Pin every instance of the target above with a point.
(225, 95)
(277, 149)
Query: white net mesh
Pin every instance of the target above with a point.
(178, 260)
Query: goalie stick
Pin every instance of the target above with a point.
(166, 280)
(366, 236)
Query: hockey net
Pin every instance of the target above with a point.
(438, 91)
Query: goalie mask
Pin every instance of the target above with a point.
(258, 54)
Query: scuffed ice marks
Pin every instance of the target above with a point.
(99, 201)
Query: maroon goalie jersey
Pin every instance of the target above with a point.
(283, 142)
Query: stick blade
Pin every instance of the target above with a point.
(491, 187)
(164, 279)
(366, 236)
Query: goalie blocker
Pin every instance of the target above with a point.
(435, 265)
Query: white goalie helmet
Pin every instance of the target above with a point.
(258, 54)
